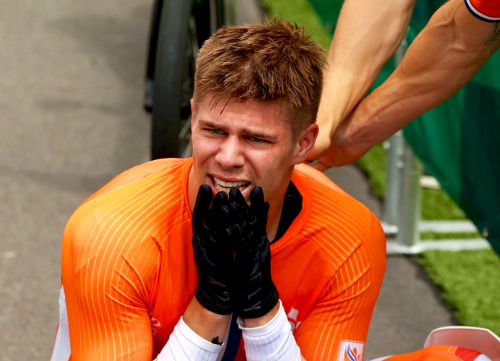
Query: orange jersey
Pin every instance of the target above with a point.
(128, 271)
(488, 10)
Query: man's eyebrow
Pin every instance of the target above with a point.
(210, 124)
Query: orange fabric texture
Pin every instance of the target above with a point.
(128, 270)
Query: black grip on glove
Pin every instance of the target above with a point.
(213, 251)
(256, 292)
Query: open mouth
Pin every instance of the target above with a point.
(224, 186)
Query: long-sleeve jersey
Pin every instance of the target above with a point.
(128, 271)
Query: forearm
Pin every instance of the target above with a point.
(445, 56)
(368, 32)
(272, 340)
(269, 337)
(208, 325)
(184, 344)
(197, 335)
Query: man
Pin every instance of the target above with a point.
(151, 270)
(459, 38)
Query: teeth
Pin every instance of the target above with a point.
(226, 186)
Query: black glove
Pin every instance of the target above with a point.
(213, 251)
(256, 292)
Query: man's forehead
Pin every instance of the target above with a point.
(275, 109)
(213, 100)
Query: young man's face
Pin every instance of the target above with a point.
(244, 145)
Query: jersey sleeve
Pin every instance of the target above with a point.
(107, 278)
(338, 324)
(487, 10)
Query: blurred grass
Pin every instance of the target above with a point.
(374, 164)
(299, 12)
(470, 283)
(436, 203)
(448, 235)
(469, 279)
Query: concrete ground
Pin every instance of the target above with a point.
(71, 78)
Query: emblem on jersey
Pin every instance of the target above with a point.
(155, 324)
(293, 316)
(351, 351)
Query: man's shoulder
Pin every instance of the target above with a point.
(141, 171)
(317, 188)
(314, 176)
(333, 215)
(168, 169)
(131, 197)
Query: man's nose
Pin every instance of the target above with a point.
(230, 153)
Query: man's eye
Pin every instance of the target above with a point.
(258, 140)
(215, 131)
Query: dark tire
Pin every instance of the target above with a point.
(170, 76)
(154, 25)
(183, 28)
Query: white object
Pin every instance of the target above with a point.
(472, 338)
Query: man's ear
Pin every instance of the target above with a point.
(305, 143)
(193, 107)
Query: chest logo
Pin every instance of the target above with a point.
(351, 351)
(155, 324)
(293, 316)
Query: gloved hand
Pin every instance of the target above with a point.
(256, 292)
(213, 251)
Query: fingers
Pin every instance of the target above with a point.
(257, 204)
(220, 200)
(319, 166)
(219, 218)
(220, 207)
(202, 205)
(238, 206)
(237, 199)
(256, 197)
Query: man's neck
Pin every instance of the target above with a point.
(290, 209)
(273, 223)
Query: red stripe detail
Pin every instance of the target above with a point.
(466, 354)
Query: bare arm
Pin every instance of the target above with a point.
(446, 55)
(368, 32)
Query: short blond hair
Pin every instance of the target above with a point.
(270, 61)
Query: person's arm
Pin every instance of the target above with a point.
(193, 336)
(368, 32)
(270, 338)
(446, 55)
(108, 318)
